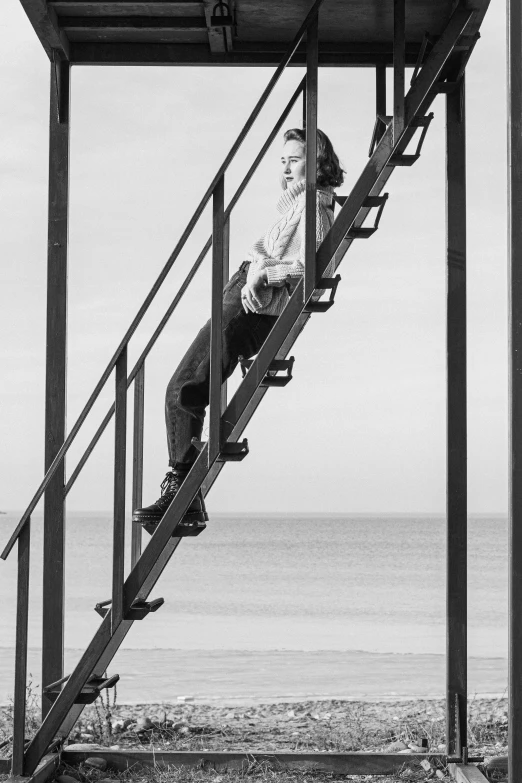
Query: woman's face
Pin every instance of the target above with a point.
(293, 162)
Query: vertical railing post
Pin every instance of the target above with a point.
(514, 173)
(137, 459)
(120, 449)
(380, 99)
(22, 617)
(226, 275)
(304, 104)
(312, 55)
(399, 60)
(456, 497)
(56, 371)
(216, 341)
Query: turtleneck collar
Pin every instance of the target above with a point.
(293, 193)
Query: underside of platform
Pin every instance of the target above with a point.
(240, 32)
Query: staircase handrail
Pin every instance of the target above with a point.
(310, 18)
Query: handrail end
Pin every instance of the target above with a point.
(14, 537)
(7, 550)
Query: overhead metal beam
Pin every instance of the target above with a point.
(126, 7)
(133, 23)
(244, 54)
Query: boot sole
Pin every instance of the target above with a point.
(192, 524)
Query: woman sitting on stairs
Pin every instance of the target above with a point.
(252, 300)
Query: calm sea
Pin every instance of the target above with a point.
(294, 606)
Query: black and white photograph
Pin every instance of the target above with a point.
(261, 396)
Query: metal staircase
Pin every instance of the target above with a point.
(437, 71)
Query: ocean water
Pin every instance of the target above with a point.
(282, 607)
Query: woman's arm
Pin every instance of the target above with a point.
(277, 272)
(291, 266)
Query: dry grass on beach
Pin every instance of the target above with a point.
(305, 726)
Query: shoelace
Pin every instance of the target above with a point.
(169, 483)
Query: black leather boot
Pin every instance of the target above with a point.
(194, 520)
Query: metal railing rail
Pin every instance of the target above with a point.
(184, 286)
(310, 18)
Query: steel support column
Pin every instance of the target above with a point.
(56, 359)
(399, 61)
(456, 498)
(514, 61)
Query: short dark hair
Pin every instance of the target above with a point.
(329, 170)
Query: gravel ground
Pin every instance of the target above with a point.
(305, 726)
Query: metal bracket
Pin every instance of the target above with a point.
(361, 232)
(231, 451)
(324, 283)
(61, 86)
(56, 60)
(272, 378)
(137, 611)
(427, 40)
(400, 159)
(380, 125)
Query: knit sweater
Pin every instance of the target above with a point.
(281, 251)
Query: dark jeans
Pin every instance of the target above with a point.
(188, 390)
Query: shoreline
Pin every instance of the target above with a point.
(247, 702)
(256, 677)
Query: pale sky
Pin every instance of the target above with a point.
(362, 425)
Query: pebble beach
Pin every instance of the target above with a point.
(405, 726)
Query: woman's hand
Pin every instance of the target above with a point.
(249, 293)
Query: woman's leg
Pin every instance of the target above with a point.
(188, 395)
(188, 390)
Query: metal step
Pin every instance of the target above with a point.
(231, 451)
(138, 610)
(90, 691)
(272, 378)
(403, 160)
(322, 306)
(365, 232)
